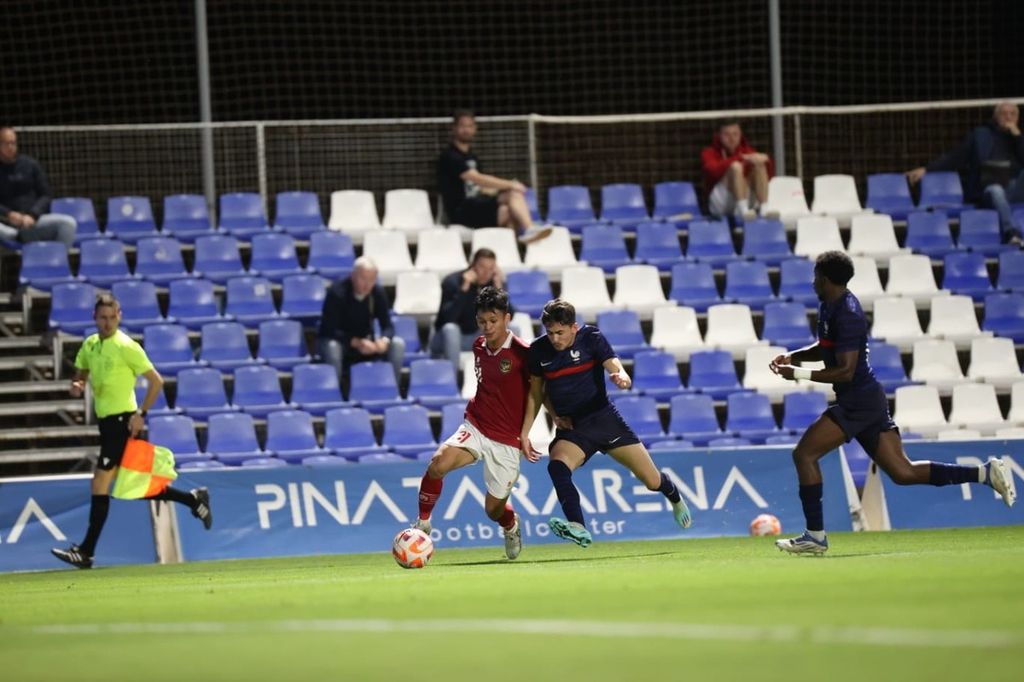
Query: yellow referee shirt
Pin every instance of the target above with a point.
(113, 365)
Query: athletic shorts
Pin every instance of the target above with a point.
(721, 202)
(478, 211)
(501, 462)
(864, 418)
(603, 430)
(114, 434)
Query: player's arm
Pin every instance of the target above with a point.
(492, 181)
(534, 399)
(78, 383)
(846, 365)
(811, 353)
(617, 373)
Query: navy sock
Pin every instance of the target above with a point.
(810, 498)
(940, 473)
(568, 496)
(668, 488)
(97, 517)
(174, 495)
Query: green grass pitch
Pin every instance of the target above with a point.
(923, 605)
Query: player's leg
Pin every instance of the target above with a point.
(566, 457)
(501, 471)
(514, 203)
(759, 182)
(500, 510)
(197, 499)
(447, 458)
(638, 460)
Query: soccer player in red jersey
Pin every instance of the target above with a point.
(494, 416)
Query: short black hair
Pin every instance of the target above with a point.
(483, 253)
(492, 299)
(462, 113)
(728, 122)
(835, 266)
(106, 300)
(558, 311)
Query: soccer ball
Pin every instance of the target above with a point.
(412, 548)
(765, 524)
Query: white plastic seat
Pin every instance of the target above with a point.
(872, 236)
(786, 197)
(918, 410)
(896, 321)
(936, 364)
(468, 376)
(408, 210)
(440, 250)
(866, 284)
(816, 235)
(417, 293)
(1011, 432)
(552, 254)
(731, 328)
(390, 251)
(758, 377)
(911, 276)
(836, 196)
(522, 326)
(807, 384)
(638, 288)
(586, 289)
(1016, 415)
(354, 212)
(958, 434)
(994, 361)
(953, 319)
(975, 406)
(502, 241)
(675, 330)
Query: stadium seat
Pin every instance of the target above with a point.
(889, 193)
(693, 285)
(887, 365)
(975, 406)
(282, 344)
(408, 210)
(782, 438)
(242, 214)
(896, 321)
(528, 290)
(800, 409)
(1004, 315)
(553, 254)
(407, 430)
(604, 246)
(468, 376)
(671, 446)
(440, 251)
(201, 393)
(815, 235)
(130, 218)
(258, 391)
(139, 305)
(936, 364)
(302, 297)
(730, 442)
(348, 433)
(218, 259)
(966, 274)
(452, 416)
(928, 233)
(103, 262)
(274, 257)
(758, 376)
(796, 282)
(224, 346)
(290, 436)
(169, 349)
(389, 250)
(159, 260)
(731, 328)
(765, 240)
(72, 306)
(231, 438)
(623, 204)
(250, 300)
(749, 415)
(44, 264)
(1011, 271)
(531, 204)
(315, 388)
(675, 330)
(500, 240)
(979, 232)
(918, 410)
(911, 276)
(942, 190)
(331, 254)
(373, 386)
(958, 434)
(263, 463)
(866, 284)
(354, 213)
(953, 319)
(569, 205)
(417, 293)
(586, 288)
(1015, 416)
(325, 461)
(747, 282)
(658, 244)
(193, 304)
(641, 414)
(836, 196)
(676, 202)
(298, 214)
(873, 236)
(177, 433)
(186, 217)
(712, 373)
(638, 288)
(84, 213)
(622, 330)
(383, 458)
(693, 416)
(786, 197)
(710, 241)
(407, 328)
(159, 408)
(994, 361)
(656, 374)
(432, 383)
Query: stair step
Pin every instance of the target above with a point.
(8, 342)
(15, 387)
(42, 407)
(46, 454)
(22, 361)
(48, 433)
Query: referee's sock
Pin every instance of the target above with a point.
(940, 473)
(174, 495)
(568, 496)
(98, 509)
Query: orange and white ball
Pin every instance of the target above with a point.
(412, 548)
(765, 524)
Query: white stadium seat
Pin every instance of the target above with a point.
(786, 197)
(440, 250)
(417, 293)
(911, 276)
(836, 196)
(936, 364)
(502, 241)
(638, 288)
(918, 410)
(1016, 415)
(354, 212)
(872, 236)
(866, 285)
(975, 407)
(675, 330)
(586, 288)
(994, 361)
(390, 251)
(953, 319)
(758, 377)
(552, 254)
(731, 328)
(896, 321)
(816, 235)
(408, 210)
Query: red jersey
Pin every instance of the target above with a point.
(502, 385)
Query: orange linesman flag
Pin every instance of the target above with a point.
(146, 470)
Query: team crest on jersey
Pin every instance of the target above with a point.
(505, 366)
(575, 355)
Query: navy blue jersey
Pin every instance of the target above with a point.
(574, 377)
(842, 328)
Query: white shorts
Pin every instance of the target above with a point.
(721, 202)
(501, 462)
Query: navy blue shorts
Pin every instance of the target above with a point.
(114, 433)
(863, 417)
(603, 430)
(478, 211)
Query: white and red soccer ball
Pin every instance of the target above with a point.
(412, 548)
(765, 524)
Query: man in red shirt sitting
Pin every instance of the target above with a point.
(731, 169)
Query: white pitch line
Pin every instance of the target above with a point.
(874, 636)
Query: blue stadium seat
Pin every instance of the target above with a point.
(241, 214)
(887, 365)
(693, 285)
(202, 465)
(193, 304)
(315, 388)
(231, 438)
(1011, 271)
(452, 416)
(349, 433)
(750, 416)
(693, 416)
(103, 262)
(130, 218)
(604, 246)
(432, 383)
(290, 436)
(671, 445)
(859, 460)
(801, 408)
(159, 260)
(528, 290)
(786, 325)
(263, 463)
(274, 256)
(44, 264)
(302, 296)
(782, 439)
(965, 273)
(928, 233)
(169, 349)
(139, 305)
(569, 205)
(381, 458)
(765, 240)
(942, 190)
(250, 300)
(623, 204)
(729, 442)
(84, 213)
(1004, 315)
(408, 329)
(72, 306)
(641, 413)
(889, 193)
(622, 329)
(325, 461)
(298, 214)
(979, 232)
(674, 201)
(372, 385)
(712, 372)
(218, 259)
(159, 408)
(796, 282)
(710, 241)
(177, 433)
(282, 343)
(224, 346)
(331, 254)
(656, 374)
(747, 282)
(407, 430)
(531, 204)
(258, 391)
(201, 394)
(658, 244)
(186, 217)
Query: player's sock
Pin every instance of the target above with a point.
(668, 488)
(430, 491)
(174, 495)
(568, 496)
(98, 510)
(810, 498)
(508, 519)
(940, 473)
(818, 535)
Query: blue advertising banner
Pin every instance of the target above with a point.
(956, 506)
(39, 513)
(300, 510)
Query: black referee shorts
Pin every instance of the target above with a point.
(114, 434)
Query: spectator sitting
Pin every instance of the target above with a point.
(731, 167)
(25, 198)
(455, 328)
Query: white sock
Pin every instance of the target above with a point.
(818, 535)
(742, 206)
(983, 474)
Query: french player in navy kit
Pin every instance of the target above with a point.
(861, 409)
(567, 367)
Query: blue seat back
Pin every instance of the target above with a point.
(242, 210)
(257, 385)
(674, 198)
(406, 425)
(290, 430)
(348, 427)
(623, 201)
(82, 210)
(569, 203)
(298, 209)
